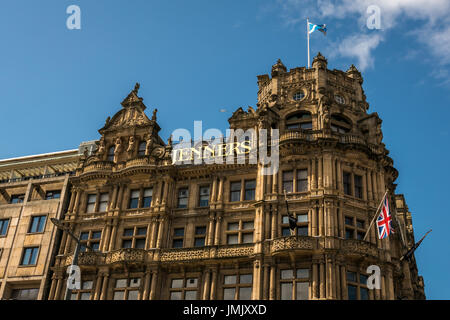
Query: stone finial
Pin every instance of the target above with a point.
(154, 114)
(354, 73)
(319, 61)
(136, 88)
(278, 68)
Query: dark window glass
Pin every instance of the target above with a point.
(351, 292)
(4, 227)
(360, 224)
(30, 256)
(111, 154)
(141, 149)
(250, 186)
(306, 126)
(364, 294)
(363, 279)
(25, 294)
(178, 237)
(360, 235)
(128, 232)
(140, 243)
(286, 231)
(235, 191)
(52, 195)
(346, 177)
(103, 203)
(183, 198)
(37, 224)
(179, 232)
(147, 200)
(349, 234)
(91, 203)
(349, 221)
(17, 198)
(199, 242)
(177, 243)
(358, 187)
(134, 199)
(302, 231)
(288, 181)
(200, 230)
(204, 197)
(84, 236)
(351, 276)
(302, 180)
(127, 243)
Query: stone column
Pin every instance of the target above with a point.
(112, 240)
(146, 292)
(213, 295)
(313, 174)
(315, 281)
(320, 174)
(162, 222)
(206, 285)
(274, 227)
(344, 293)
(154, 232)
(322, 280)
(273, 281)
(211, 230)
(321, 220)
(218, 227)
(51, 295)
(104, 294)
(98, 287)
(153, 285)
(266, 282)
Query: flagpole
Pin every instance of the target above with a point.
(376, 214)
(307, 34)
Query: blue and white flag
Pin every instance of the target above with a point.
(321, 27)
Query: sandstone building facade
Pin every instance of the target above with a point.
(159, 230)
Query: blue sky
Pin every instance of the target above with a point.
(196, 57)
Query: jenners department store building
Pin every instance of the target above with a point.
(214, 231)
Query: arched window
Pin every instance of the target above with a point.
(301, 120)
(340, 124)
(298, 96)
(111, 153)
(141, 149)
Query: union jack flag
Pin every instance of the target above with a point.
(384, 220)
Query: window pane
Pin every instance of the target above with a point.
(302, 273)
(306, 125)
(247, 238)
(230, 279)
(74, 296)
(128, 232)
(301, 218)
(285, 220)
(360, 235)
(249, 194)
(103, 206)
(348, 234)
(177, 283)
(92, 198)
(349, 221)
(34, 223)
(250, 184)
(96, 235)
(25, 294)
(26, 256)
(232, 239)
(141, 231)
(235, 196)
(121, 283)
(191, 283)
(135, 282)
(235, 186)
(127, 243)
(245, 293)
(200, 230)
(140, 244)
(229, 293)
(147, 202)
(148, 192)
(286, 291)
(286, 231)
(178, 232)
(302, 174)
(302, 185)
(85, 296)
(287, 274)
(87, 285)
(233, 226)
(95, 246)
(364, 293)
(90, 207)
(134, 194)
(199, 242)
(34, 252)
(363, 279)
(3, 226)
(175, 295)
(351, 276)
(302, 290)
(351, 292)
(119, 295)
(190, 295)
(360, 224)
(178, 243)
(288, 186)
(302, 231)
(133, 295)
(248, 225)
(133, 203)
(245, 278)
(84, 236)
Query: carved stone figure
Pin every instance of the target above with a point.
(101, 147)
(117, 149)
(379, 134)
(131, 146)
(149, 145)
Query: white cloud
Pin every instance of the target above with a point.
(432, 17)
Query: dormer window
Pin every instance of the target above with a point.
(141, 149)
(298, 96)
(340, 124)
(302, 120)
(111, 154)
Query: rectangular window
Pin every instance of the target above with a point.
(302, 180)
(184, 289)
(49, 195)
(183, 198)
(203, 200)
(4, 227)
(29, 256)
(91, 239)
(240, 232)
(134, 237)
(294, 284)
(237, 287)
(37, 224)
(84, 293)
(200, 235)
(17, 198)
(357, 286)
(288, 181)
(358, 187)
(250, 187)
(127, 289)
(134, 199)
(103, 203)
(147, 200)
(178, 238)
(301, 228)
(25, 294)
(92, 198)
(354, 229)
(235, 191)
(347, 183)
